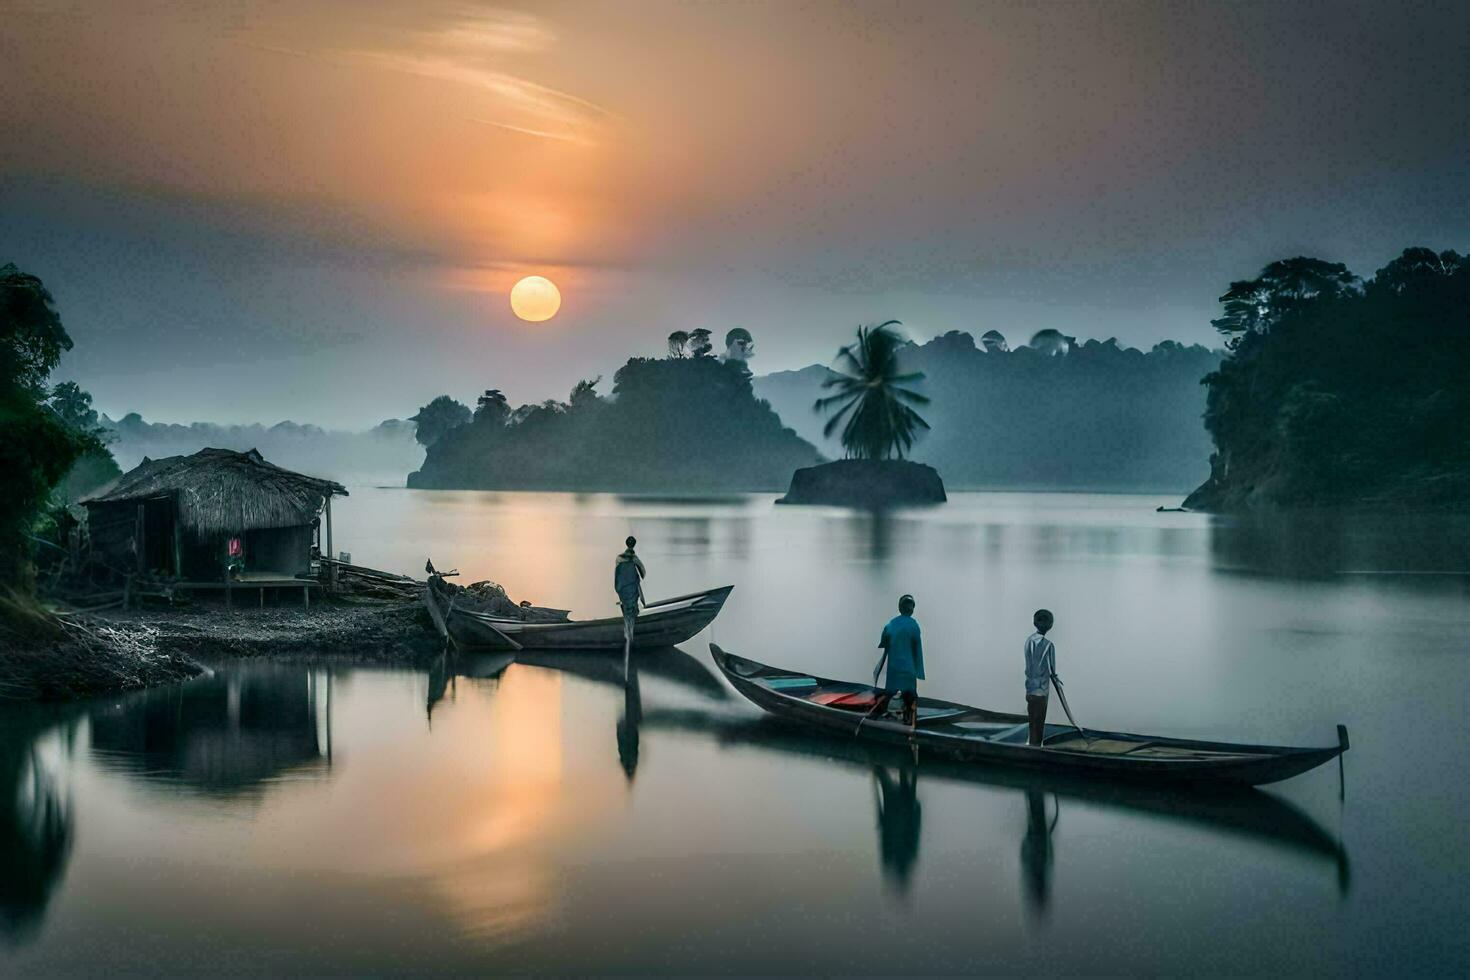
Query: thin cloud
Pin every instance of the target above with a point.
(466, 52)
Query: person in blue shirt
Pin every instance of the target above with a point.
(904, 653)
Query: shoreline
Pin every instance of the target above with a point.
(113, 652)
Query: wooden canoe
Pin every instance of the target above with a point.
(1236, 811)
(662, 624)
(961, 732)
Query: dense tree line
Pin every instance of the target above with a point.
(44, 430)
(1056, 414)
(1337, 391)
(677, 423)
(380, 454)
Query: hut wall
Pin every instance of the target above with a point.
(110, 528)
(113, 529)
(286, 550)
(203, 557)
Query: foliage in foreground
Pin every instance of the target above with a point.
(1337, 391)
(37, 446)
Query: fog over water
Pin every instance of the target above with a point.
(479, 816)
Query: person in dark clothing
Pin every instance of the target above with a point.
(628, 572)
(1041, 667)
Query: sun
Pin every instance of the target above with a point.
(535, 298)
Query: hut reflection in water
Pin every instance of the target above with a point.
(223, 734)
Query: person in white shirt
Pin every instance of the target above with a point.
(1041, 667)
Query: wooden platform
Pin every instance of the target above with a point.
(256, 582)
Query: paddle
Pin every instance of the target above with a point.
(677, 598)
(1062, 696)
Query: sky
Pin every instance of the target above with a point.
(256, 210)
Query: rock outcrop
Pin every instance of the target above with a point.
(874, 483)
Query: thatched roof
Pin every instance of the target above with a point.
(219, 491)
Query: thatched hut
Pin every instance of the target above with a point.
(212, 517)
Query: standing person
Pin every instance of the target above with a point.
(905, 656)
(1041, 667)
(628, 572)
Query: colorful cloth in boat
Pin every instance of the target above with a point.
(905, 654)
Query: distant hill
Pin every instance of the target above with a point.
(1091, 416)
(382, 454)
(671, 425)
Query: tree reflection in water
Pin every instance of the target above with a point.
(36, 831)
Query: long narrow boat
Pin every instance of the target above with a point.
(1236, 811)
(661, 624)
(969, 734)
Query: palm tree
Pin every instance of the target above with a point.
(871, 398)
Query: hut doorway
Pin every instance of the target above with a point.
(154, 537)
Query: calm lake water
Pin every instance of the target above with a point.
(486, 816)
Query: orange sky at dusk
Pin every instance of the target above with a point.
(327, 198)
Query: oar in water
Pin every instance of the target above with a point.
(1062, 696)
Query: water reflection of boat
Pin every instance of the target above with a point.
(669, 664)
(222, 734)
(665, 663)
(970, 734)
(1241, 812)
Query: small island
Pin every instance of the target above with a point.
(866, 483)
(875, 412)
(689, 421)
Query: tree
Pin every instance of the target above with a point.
(1052, 342)
(437, 418)
(584, 393)
(37, 447)
(96, 466)
(74, 406)
(871, 403)
(32, 338)
(1255, 306)
(699, 342)
(492, 405)
(1336, 392)
(677, 342)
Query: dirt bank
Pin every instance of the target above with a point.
(104, 653)
(358, 630)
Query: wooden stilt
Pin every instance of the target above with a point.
(331, 565)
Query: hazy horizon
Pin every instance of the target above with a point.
(257, 211)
